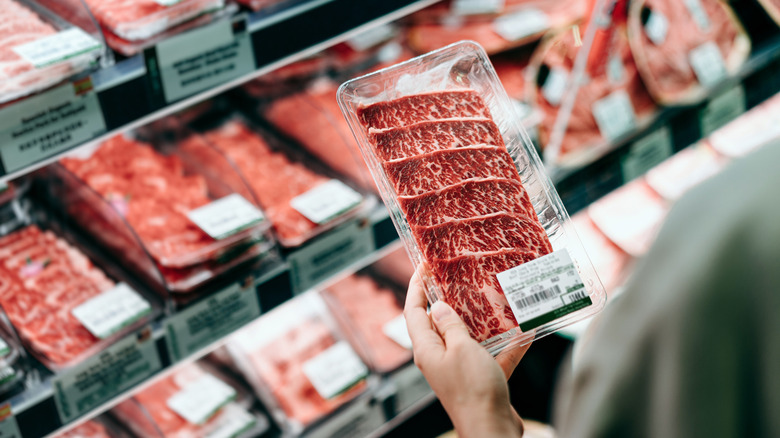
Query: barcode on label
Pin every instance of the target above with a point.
(538, 297)
(575, 296)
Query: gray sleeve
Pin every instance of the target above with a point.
(692, 347)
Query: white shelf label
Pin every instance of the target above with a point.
(204, 58)
(326, 201)
(521, 24)
(48, 124)
(646, 153)
(477, 7)
(335, 370)
(57, 47)
(105, 375)
(555, 85)
(226, 216)
(232, 421)
(8, 426)
(614, 115)
(200, 400)
(708, 64)
(657, 28)
(722, 109)
(395, 329)
(371, 37)
(544, 289)
(112, 310)
(7, 373)
(698, 13)
(211, 319)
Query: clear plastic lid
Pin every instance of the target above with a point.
(439, 129)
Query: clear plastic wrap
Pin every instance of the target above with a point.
(277, 352)
(453, 150)
(39, 49)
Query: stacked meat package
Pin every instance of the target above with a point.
(435, 136)
(299, 363)
(194, 401)
(162, 213)
(99, 427)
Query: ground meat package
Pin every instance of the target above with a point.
(469, 197)
(193, 401)
(39, 49)
(299, 363)
(684, 47)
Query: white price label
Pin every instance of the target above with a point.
(699, 14)
(57, 47)
(521, 24)
(8, 426)
(226, 216)
(112, 310)
(371, 37)
(335, 370)
(200, 400)
(657, 28)
(232, 421)
(4, 348)
(614, 115)
(477, 7)
(544, 289)
(326, 201)
(167, 2)
(555, 85)
(708, 64)
(395, 329)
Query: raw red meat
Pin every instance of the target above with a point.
(42, 278)
(88, 429)
(424, 137)
(366, 307)
(467, 199)
(436, 170)
(437, 105)
(474, 214)
(512, 74)
(666, 68)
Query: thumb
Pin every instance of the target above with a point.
(448, 323)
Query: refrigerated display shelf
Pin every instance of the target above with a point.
(170, 76)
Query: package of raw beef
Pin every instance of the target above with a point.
(193, 401)
(300, 198)
(168, 219)
(98, 427)
(469, 197)
(369, 311)
(684, 47)
(39, 49)
(54, 297)
(298, 362)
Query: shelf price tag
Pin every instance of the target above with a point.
(8, 426)
(48, 124)
(646, 153)
(105, 375)
(722, 109)
(202, 58)
(330, 253)
(226, 216)
(211, 319)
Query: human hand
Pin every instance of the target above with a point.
(470, 384)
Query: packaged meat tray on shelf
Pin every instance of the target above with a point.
(299, 363)
(98, 427)
(469, 197)
(63, 306)
(300, 198)
(158, 211)
(684, 170)
(369, 311)
(39, 49)
(193, 401)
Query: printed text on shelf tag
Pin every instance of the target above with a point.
(476, 7)
(614, 115)
(657, 27)
(395, 329)
(200, 400)
(544, 289)
(58, 47)
(521, 24)
(112, 310)
(708, 64)
(326, 201)
(335, 370)
(226, 216)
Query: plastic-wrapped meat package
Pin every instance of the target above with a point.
(610, 261)
(684, 170)
(18, 76)
(42, 279)
(750, 131)
(88, 429)
(684, 47)
(153, 412)
(631, 216)
(365, 308)
(618, 83)
(275, 179)
(141, 19)
(293, 76)
(313, 119)
(273, 353)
